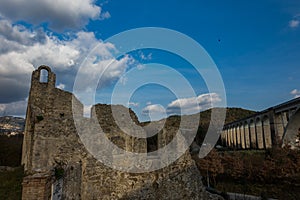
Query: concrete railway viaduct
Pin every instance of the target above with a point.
(278, 125)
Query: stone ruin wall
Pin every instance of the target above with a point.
(51, 143)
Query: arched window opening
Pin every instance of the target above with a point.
(44, 76)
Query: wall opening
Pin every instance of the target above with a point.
(56, 189)
(152, 143)
(44, 76)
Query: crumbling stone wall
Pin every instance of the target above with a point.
(126, 120)
(53, 150)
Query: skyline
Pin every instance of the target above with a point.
(255, 45)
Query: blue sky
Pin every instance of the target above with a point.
(254, 44)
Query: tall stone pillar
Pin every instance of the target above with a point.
(259, 133)
(247, 136)
(238, 133)
(253, 134)
(233, 136)
(242, 133)
(267, 132)
(280, 122)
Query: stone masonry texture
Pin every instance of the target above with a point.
(53, 150)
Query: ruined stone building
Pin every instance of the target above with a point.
(58, 166)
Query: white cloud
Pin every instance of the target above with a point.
(61, 86)
(105, 15)
(22, 51)
(109, 69)
(140, 66)
(16, 108)
(154, 111)
(123, 80)
(295, 92)
(183, 106)
(194, 104)
(134, 104)
(294, 23)
(18, 34)
(145, 57)
(60, 14)
(153, 108)
(26, 49)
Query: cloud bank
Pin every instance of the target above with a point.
(154, 111)
(59, 14)
(183, 106)
(27, 42)
(24, 50)
(16, 108)
(193, 105)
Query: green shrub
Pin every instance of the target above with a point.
(39, 118)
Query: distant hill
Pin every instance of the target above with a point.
(11, 125)
(11, 139)
(15, 125)
(232, 114)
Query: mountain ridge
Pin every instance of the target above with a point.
(10, 125)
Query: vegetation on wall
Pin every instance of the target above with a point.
(59, 172)
(39, 118)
